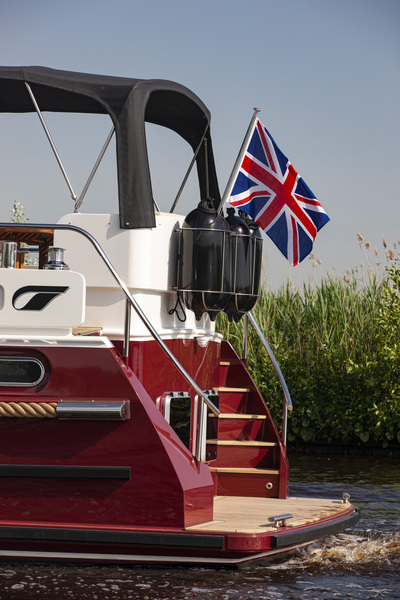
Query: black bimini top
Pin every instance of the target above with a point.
(130, 103)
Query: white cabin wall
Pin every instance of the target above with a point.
(145, 259)
(64, 302)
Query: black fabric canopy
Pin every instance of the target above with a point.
(130, 103)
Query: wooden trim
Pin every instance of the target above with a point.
(86, 330)
(233, 389)
(244, 470)
(240, 416)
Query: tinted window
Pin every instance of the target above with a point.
(20, 371)
(180, 413)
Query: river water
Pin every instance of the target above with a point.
(361, 564)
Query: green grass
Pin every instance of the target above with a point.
(336, 344)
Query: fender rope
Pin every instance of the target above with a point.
(31, 410)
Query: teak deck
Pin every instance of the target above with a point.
(250, 515)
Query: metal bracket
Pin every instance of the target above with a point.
(103, 410)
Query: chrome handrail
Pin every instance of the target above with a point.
(128, 295)
(287, 399)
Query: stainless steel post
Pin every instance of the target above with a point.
(239, 159)
(284, 422)
(188, 171)
(127, 330)
(9, 259)
(78, 203)
(52, 144)
(245, 336)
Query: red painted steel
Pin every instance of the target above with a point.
(168, 487)
(158, 375)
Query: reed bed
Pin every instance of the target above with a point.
(336, 344)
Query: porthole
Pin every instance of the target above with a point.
(21, 372)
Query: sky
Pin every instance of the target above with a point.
(325, 75)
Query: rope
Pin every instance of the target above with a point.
(182, 319)
(32, 410)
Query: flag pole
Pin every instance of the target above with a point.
(239, 160)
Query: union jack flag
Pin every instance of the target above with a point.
(271, 191)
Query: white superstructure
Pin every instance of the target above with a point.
(139, 257)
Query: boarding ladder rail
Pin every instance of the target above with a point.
(287, 401)
(130, 300)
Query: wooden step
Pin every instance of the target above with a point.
(246, 481)
(232, 373)
(240, 416)
(233, 390)
(231, 362)
(244, 470)
(242, 443)
(247, 453)
(247, 427)
(237, 398)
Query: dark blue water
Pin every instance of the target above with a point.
(361, 564)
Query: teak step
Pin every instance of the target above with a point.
(242, 443)
(231, 361)
(240, 416)
(244, 470)
(233, 389)
(246, 481)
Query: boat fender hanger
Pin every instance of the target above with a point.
(130, 103)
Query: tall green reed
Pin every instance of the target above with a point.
(325, 338)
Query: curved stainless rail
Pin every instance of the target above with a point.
(128, 295)
(273, 360)
(287, 400)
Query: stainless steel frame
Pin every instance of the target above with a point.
(51, 142)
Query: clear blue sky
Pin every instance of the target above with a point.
(325, 74)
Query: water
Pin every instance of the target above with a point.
(363, 564)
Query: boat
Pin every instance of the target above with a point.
(131, 431)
